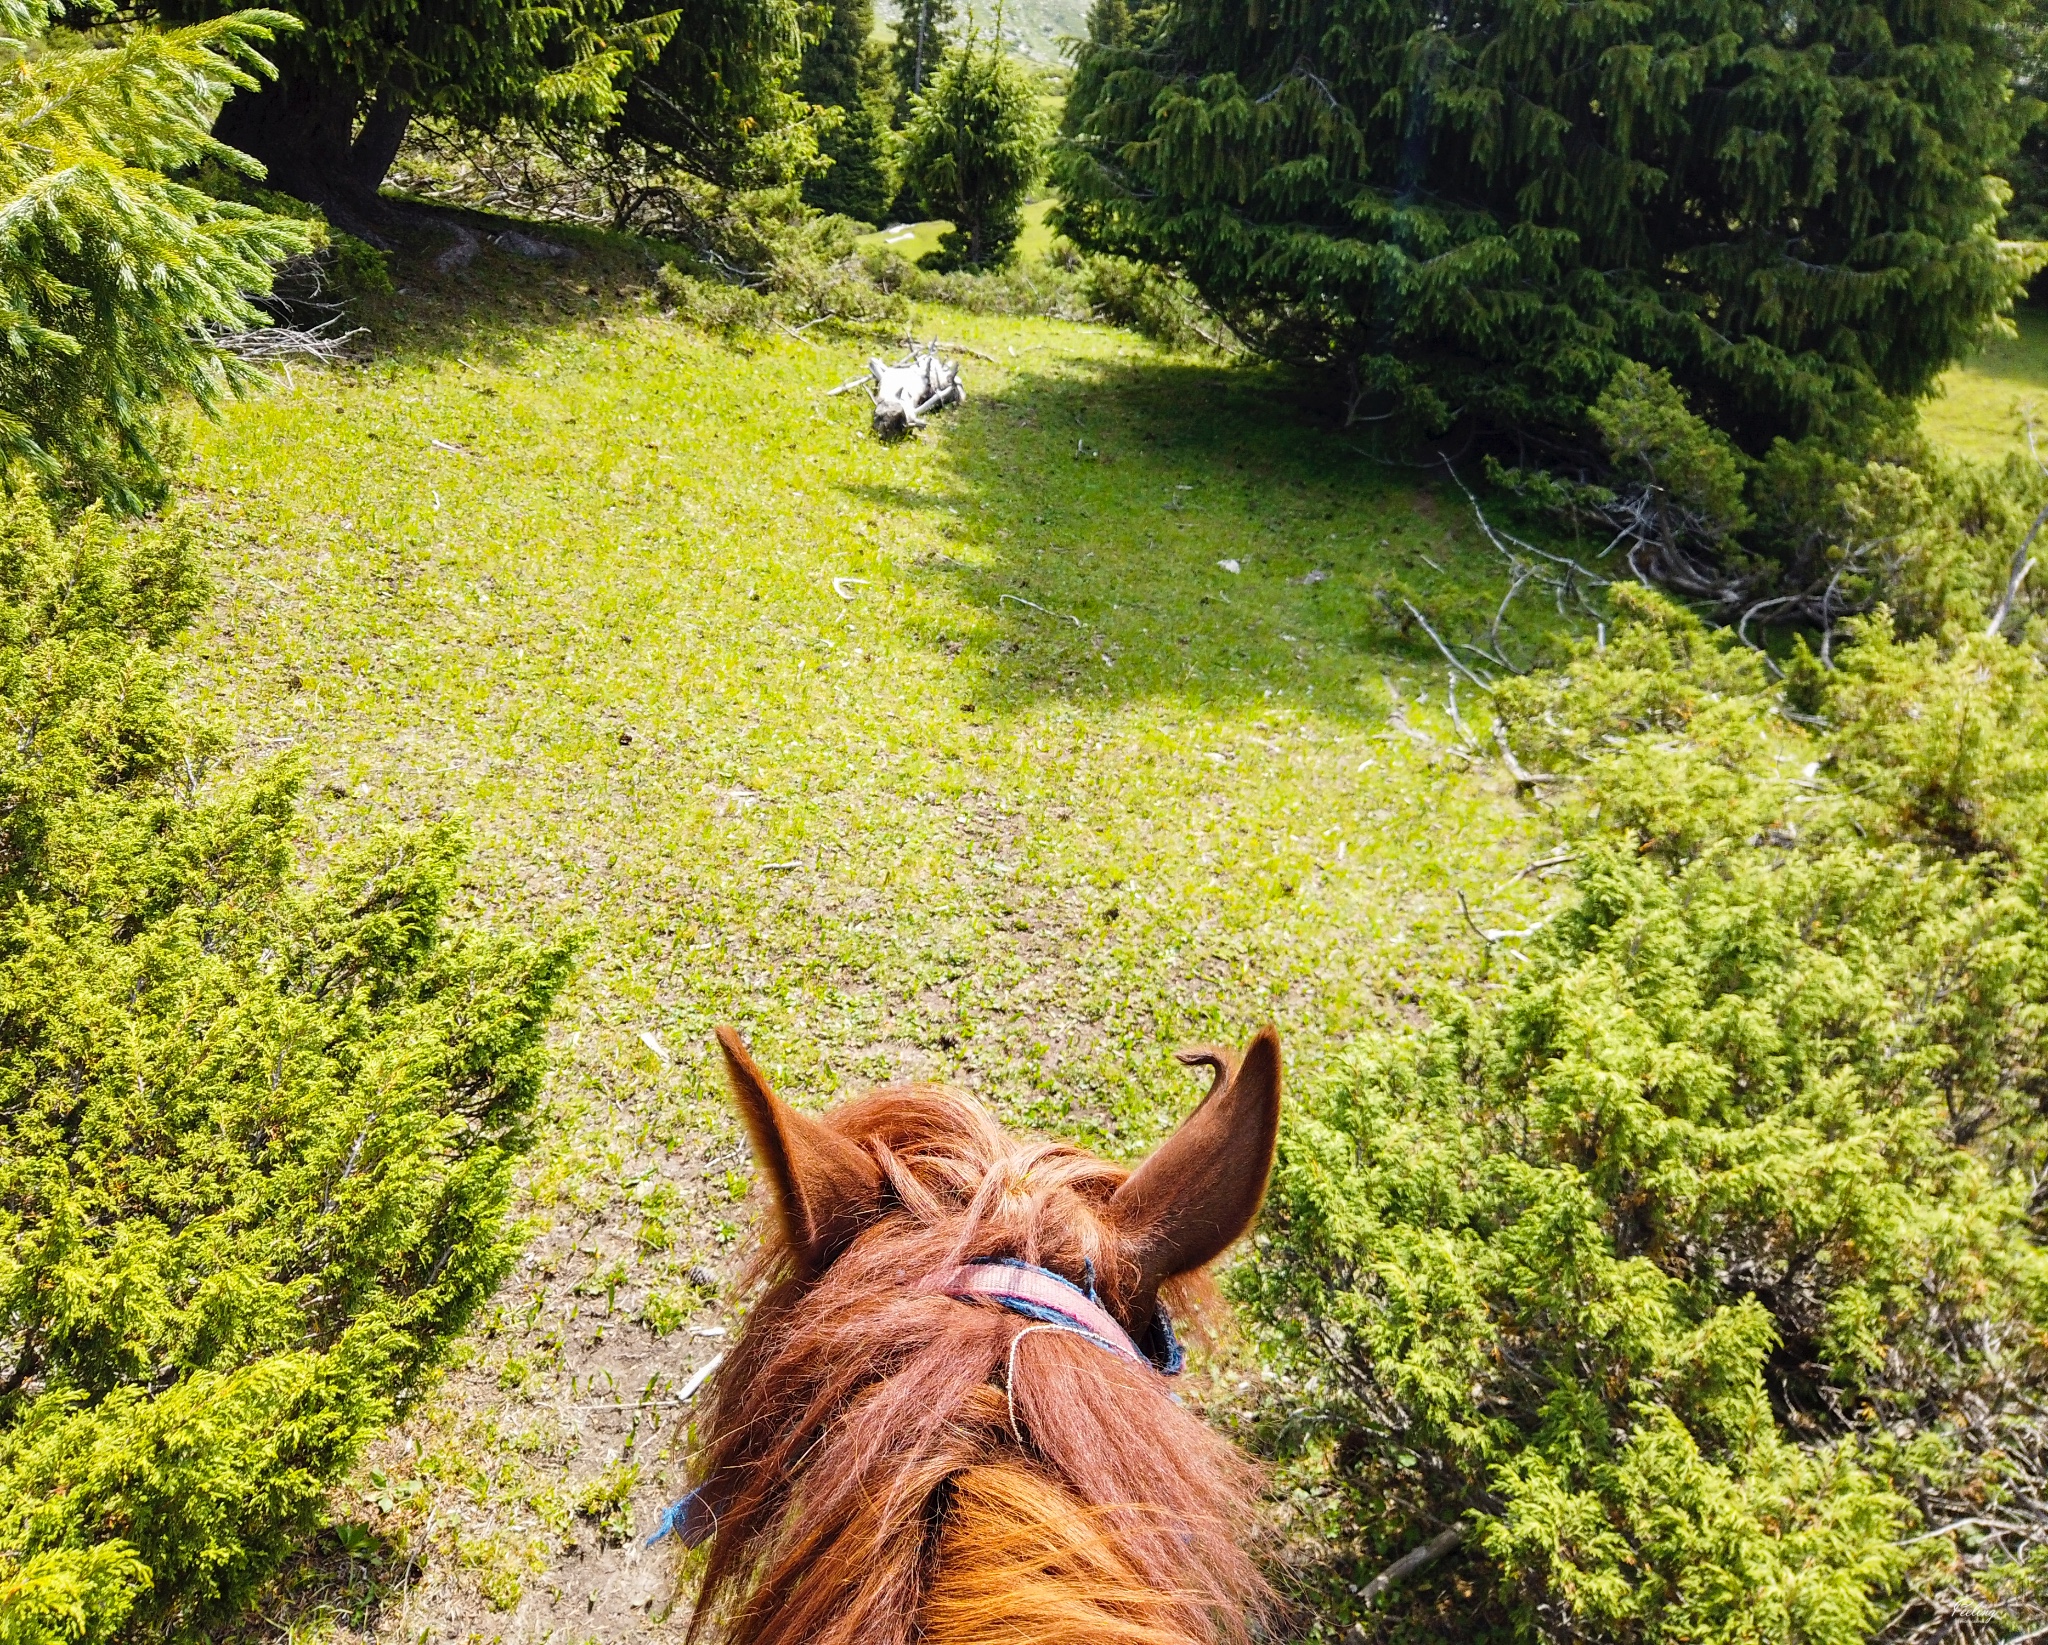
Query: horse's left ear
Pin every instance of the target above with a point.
(1198, 1192)
(824, 1183)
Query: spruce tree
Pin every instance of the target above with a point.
(704, 84)
(1482, 209)
(112, 274)
(924, 34)
(846, 71)
(1109, 23)
(717, 102)
(975, 146)
(2026, 172)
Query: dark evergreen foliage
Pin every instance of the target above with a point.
(1483, 210)
(701, 85)
(716, 102)
(925, 31)
(847, 71)
(2026, 217)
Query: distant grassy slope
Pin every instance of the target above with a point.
(913, 240)
(962, 758)
(1976, 413)
(1034, 28)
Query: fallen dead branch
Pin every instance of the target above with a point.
(2023, 556)
(1491, 935)
(1414, 1560)
(907, 392)
(1523, 778)
(951, 348)
(269, 344)
(1018, 599)
(1449, 656)
(1541, 866)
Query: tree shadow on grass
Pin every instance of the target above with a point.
(1137, 528)
(461, 290)
(1093, 499)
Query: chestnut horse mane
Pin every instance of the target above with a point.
(885, 1464)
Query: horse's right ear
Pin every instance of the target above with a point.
(823, 1182)
(1200, 1190)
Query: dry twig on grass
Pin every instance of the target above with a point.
(273, 344)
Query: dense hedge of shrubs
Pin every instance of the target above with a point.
(255, 1134)
(769, 266)
(1696, 1267)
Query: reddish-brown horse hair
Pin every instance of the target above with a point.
(886, 1464)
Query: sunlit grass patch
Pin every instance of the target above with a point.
(1979, 410)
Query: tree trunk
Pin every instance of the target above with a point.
(300, 128)
(376, 145)
(303, 130)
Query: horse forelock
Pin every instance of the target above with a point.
(885, 1463)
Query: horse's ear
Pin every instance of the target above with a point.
(823, 1182)
(1200, 1189)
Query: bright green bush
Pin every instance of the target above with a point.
(1697, 1266)
(255, 1134)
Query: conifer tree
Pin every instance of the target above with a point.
(924, 34)
(703, 83)
(111, 273)
(847, 71)
(1109, 23)
(975, 146)
(1482, 209)
(2026, 216)
(717, 102)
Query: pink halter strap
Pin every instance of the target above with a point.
(1051, 1299)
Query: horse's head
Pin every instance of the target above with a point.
(948, 1416)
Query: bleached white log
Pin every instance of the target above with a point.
(908, 392)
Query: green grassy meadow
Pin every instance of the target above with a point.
(963, 758)
(914, 240)
(1979, 409)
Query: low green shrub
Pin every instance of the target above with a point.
(713, 304)
(774, 262)
(256, 1134)
(1695, 1268)
(1152, 303)
(1801, 536)
(1045, 288)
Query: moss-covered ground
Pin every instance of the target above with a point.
(966, 758)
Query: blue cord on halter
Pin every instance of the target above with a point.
(689, 1519)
